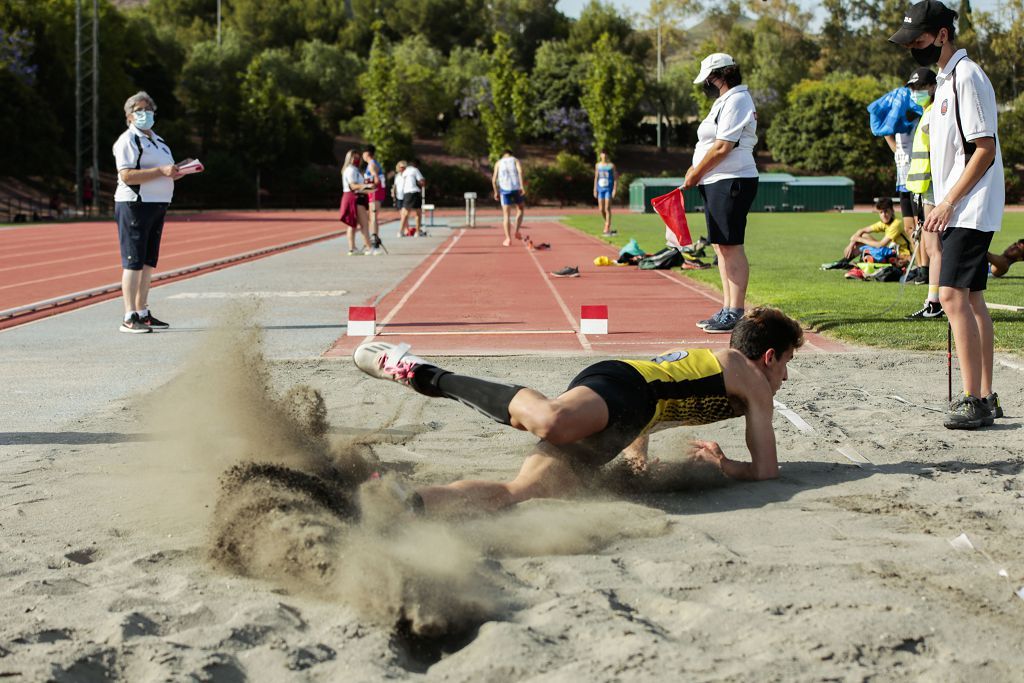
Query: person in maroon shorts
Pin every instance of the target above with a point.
(354, 203)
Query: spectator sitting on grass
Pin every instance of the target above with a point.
(1000, 263)
(890, 229)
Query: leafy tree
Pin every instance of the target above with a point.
(417, 70)
(1005, 36)
(527, 24)
(610, 90)
(383, 105)
(556, 81)
(210, 90)
(282, 23)
(855, 39)
(466, 138)
(326, 72)
(824, 129)
(460, 77)
(1011, 133)
(504, 109)
(273, 125)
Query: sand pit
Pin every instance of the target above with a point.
(227, 526)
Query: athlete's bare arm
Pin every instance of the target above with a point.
(522, 178)
(748, 386)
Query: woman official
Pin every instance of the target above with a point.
(355, 203)
(145, 185)
(724, 171)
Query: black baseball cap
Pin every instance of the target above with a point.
(921, 78)
(927, 15)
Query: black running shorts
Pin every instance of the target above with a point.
(964, 261)
(412, 200)
(726, 205)
(631, 407)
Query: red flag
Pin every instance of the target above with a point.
(672, 210)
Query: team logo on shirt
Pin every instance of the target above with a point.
(945, 107)
(670, 357)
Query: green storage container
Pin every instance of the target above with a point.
(775, 192)
(821, 193)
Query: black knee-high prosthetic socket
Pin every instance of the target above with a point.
(485, 396)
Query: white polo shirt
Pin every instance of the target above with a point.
(410, 180)
(154, 153)
(732, 118)
(982, 207)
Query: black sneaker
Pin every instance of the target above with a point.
(932, 309)
(568, 271)
(707, 321)
(153, 323)
(724, 325)
(134, 326)
(841, 264)
(992, 403)
(967, 412)
(921, 278)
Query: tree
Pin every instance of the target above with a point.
(824, 129)
(504, 108)
(382, 103)
(273, 125)
(210, 90)
(417, 70)
(611, 89)
(527, 24)
(556, 81)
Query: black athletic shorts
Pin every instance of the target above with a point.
(412, 200)
(363, 199)
(964, 262)
(631, 405)
(726, 205)
(140, 225)
(907, 204)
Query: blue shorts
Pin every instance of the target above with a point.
(513, 197)
(140, 225)
(604, 193)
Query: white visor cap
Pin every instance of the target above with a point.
(711, 63)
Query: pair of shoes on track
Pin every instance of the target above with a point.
(137, 325)
(721, 322)
(970, 412)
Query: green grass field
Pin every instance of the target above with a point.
(786, 252)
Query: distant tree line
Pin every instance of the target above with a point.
(288, 76)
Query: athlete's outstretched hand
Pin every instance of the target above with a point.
(707, 451)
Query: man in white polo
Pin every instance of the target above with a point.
(967, 174)
(412, 198)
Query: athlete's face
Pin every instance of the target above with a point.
(886, 215)
(775, 368)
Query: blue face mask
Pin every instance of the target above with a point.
(143, 120)
(921, 97)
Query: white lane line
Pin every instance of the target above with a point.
(471, 333)
(260, 295)
(851, 454)
(412, 290)
(561, 303)
(1011, 365)
(790, 415)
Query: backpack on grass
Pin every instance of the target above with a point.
(667, 258)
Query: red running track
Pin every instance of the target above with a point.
(41, 262)
(475, 297)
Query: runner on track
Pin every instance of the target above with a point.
(605, 184)
(507, 181)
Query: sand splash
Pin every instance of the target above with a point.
(300, 509)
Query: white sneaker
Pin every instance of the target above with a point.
(387, 361)
(374, 252)
(353, 252)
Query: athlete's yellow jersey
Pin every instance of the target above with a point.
(689, 388)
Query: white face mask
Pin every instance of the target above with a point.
(143, 120)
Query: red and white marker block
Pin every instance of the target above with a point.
(362, 321)
(594, 319)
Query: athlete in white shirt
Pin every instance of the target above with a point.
(967, 174)
(507, 181)
(412, 184)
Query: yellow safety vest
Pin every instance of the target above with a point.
(919, 178)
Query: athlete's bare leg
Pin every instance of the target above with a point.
(506, 224)
(519, 220)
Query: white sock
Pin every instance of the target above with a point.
(144, 312)
(128, 315)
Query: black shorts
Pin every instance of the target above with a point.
(362, 199)
(726, 205)
(907, 204)
(140, 225)
(412, 200)
(964, 261)
(631, 406)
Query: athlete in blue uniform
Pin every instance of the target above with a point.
(605, 184)
(611, 407)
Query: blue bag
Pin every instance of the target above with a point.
(894, 112)
(877, 254)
